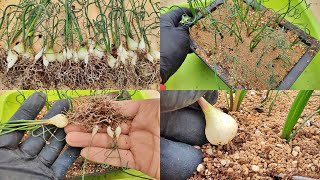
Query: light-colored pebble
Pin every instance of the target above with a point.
(295, 153)
(297, 148)
(200, 168)
(255, 168)
(294, 164)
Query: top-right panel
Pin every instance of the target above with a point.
(237, 44)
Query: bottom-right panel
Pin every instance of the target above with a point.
(240, 134)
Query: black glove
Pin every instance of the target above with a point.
(180, 130)
(174, 42)
(33, 158)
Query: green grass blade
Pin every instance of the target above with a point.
(296, 109)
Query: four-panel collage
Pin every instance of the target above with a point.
(159, 89)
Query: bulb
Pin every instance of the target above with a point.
(132, 44)
(19, 48)
(50, 55)
(112, 62)
(83, 54)
(60, 57)
(98, 52)
(150, 58)
(155, 54)
(39, 55)
(220, 127)
(142, 45)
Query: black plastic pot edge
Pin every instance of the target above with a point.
(312, 43)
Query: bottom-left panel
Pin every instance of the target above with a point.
(88, 134)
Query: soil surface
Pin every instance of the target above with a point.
(258, 152)
(265, 66)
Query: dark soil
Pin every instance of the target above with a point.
(264, 67)
(258, 152)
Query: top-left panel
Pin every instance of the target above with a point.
(79, 44)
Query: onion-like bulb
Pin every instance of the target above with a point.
(132, 44)
(19, 48)
(122, 54)
(155, 54)
(50, 55)
(98, 52)
(59, 121)
(75, 56)
(28, 54)
(142, 45)
(67, 53)
(220, 127)
(112, 62)
(60, 57)
(83, 55)
(150, 58)
(12, 58)
(40, 54)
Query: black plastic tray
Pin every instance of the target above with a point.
(312, 43)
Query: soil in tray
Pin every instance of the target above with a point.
(263, 68)
(258, 152)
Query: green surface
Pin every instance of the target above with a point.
(194, 74)
(10, 102)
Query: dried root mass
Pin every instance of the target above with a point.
(96, 110)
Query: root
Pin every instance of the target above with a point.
(96, 110)
(27, 74)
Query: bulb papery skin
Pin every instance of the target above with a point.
(19, 48)
(155, 54)
(98, 52)
(112, 62)
(50, 55)
(132, 44)
(59, 120)
(40, 54)
(150, 58)
(142, 45)
(220, 128)
(60, 57)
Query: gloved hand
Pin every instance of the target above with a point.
(174, 42)
(182, 126)
(33, 158)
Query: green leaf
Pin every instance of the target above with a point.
(296, 109)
